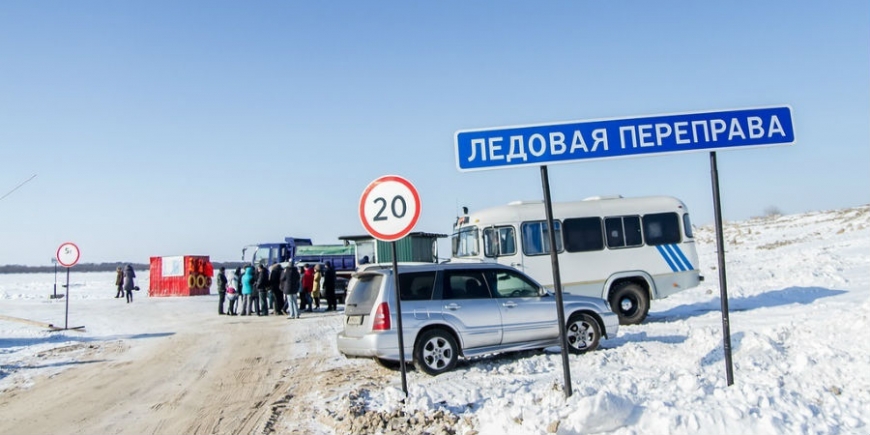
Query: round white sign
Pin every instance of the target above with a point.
(389, 208)
(68, 254)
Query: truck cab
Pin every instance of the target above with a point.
(268, 254)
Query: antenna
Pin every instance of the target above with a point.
(17, 187)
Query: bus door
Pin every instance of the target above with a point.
(500, 242)
(534, 248)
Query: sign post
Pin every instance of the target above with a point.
(388, 209)
(54, 262)
(611, 138)
(67, 255)
(723, 283)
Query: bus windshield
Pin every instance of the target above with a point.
(465, 242)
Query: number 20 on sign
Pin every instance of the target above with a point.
(389, 208)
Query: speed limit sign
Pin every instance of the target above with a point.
(68, 254)
(389, 208)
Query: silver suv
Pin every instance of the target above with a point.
(462, 309)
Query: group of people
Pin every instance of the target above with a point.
(125, 281)
(277, 290)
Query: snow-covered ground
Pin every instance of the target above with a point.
(799, 296)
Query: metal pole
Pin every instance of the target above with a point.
(557, 281)
(723, 284)
(53, 260)
(66, 313)
(399, 319)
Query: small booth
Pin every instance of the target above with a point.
(416, 247)
(181, 275)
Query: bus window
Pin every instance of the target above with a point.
(661, 228)
(623, 231)
(687, 226)
(633, 236)
(464, 242)
(583, 234)
(536, 237)
(504, 245)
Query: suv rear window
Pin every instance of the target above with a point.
(364, 293)
(417, 286)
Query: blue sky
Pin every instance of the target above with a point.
(170, 128)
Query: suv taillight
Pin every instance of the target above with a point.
(381, 322)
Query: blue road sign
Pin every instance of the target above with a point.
(566, 142)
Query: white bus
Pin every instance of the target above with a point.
(625, 250)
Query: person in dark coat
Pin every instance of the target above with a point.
(263, 290)
(275, 286)
(129, 276)
(290, 286)
(221, 289)
(329, 287)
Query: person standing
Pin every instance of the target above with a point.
(263, 290)
(129, 276)
(290, 283)
(235, 285)
(221, 289)
(119, 282)
(275, 287)
(329, 287)
(247, 289)
(307, 284)
(318, 284)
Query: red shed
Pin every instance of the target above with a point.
(182, 275)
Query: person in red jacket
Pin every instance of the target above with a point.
(307, 286)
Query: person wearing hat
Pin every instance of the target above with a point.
(129, 284)
(119, 282)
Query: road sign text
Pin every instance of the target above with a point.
(623, 137)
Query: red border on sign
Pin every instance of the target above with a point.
(78, 254)
(362, 215)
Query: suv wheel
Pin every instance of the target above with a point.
(435, 352)
(583, 333)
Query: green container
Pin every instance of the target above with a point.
(415, 247)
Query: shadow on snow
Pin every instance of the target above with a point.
(7, 345)
(776, 298)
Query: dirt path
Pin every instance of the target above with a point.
(234, 376)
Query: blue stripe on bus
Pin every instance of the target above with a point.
(675, 258)
(666, 255)
(683, 258)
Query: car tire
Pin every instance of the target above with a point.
(436, 352)
(630, 302)
(583, 333)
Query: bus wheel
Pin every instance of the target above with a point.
(630, 302)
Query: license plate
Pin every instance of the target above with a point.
(354, 320)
